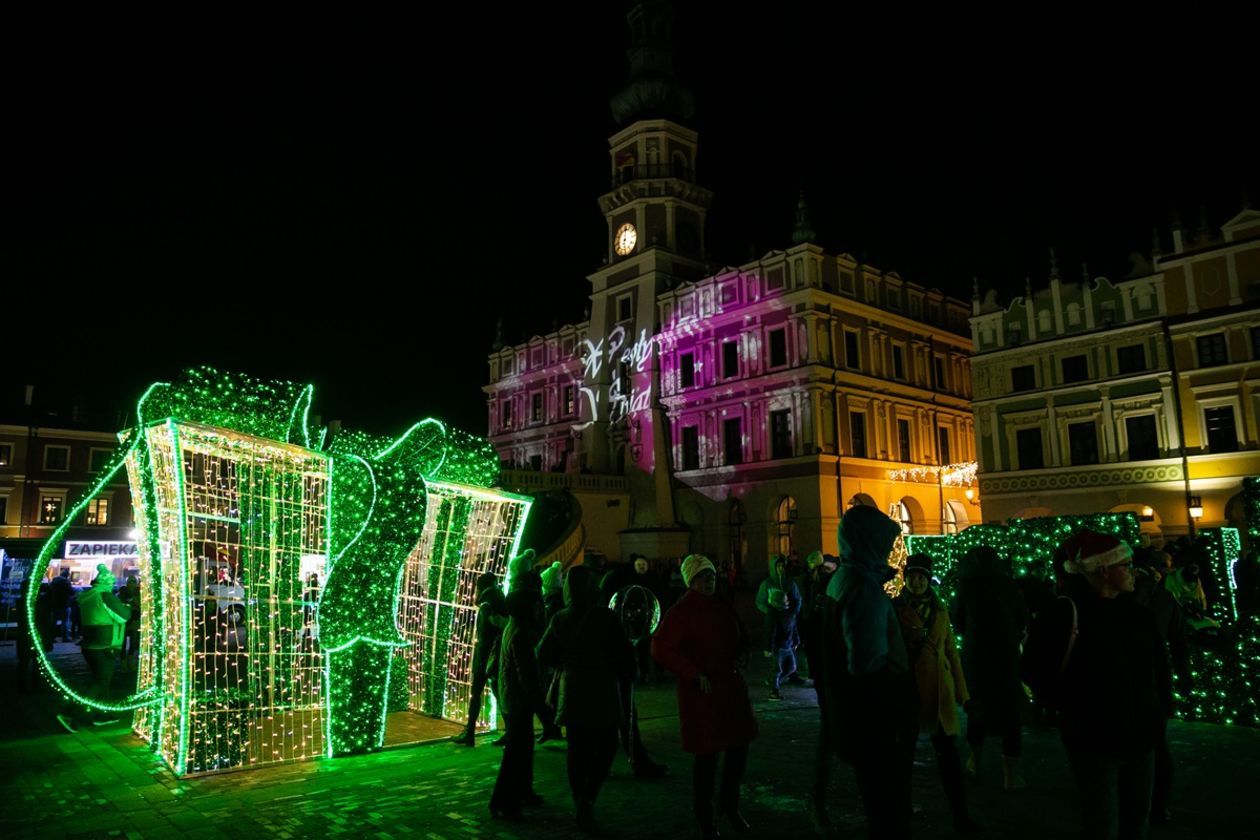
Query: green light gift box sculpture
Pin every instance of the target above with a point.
(282, 578)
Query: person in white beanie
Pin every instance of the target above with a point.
(702, 641)
(1099, 658)
(104, 626)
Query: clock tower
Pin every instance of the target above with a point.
(655, 213)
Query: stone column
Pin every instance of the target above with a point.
(1172, 437)
(1110, 454)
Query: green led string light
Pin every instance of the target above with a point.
(1251, 510)
(242, 665)
(1224, 685)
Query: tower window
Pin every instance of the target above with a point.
(625, 306)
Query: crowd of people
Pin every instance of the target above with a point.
(1091, 649)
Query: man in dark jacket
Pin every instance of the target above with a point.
(585, 642)
(491, 619)
(871, 702)
(1100, 657)
(104, 624)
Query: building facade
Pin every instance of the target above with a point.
(1137, 395)
(44, 474)
(747, 407)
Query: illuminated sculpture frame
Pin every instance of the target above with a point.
(269, 667)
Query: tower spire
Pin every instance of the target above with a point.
(652, 90)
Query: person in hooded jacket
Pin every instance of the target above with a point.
(587, 645)
(520, 698)
(104, 620)
(938, 673)
(988, 612)
(702, 641)
(492, 618)
(871, 702)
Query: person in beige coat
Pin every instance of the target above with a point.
(938, 674)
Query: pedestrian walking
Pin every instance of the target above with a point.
(587, 646)
(492, 618)
(703, 643)
(104, 625)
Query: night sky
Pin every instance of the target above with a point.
(354, 201)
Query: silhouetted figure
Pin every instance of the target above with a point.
(492, 618)
(585, 642)
(988, 613)
(520, 698)
(1099, 658)
(813, 614)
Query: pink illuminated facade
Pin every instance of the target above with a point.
(746, 408)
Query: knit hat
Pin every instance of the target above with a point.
(552, 579)
(813, 560)
(1088, 551)
(104, 577)
(485, 580)
(919, 563)
(693, 565)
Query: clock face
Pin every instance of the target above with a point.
(623, 243)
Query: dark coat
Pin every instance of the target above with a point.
(702, 634)
(585, 642)
(871, 699)
(988, 613)
(520, 684)
(1110, 694)
(491, 620)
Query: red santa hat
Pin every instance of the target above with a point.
(1088, 551)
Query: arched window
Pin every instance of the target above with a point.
(785, 526)
(902, 515)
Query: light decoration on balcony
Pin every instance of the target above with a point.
(274, 568)
(962, 474)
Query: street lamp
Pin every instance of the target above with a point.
(1196, 507)
(1148, 514)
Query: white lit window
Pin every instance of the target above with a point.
(98, 512)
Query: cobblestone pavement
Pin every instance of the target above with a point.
(103, 782)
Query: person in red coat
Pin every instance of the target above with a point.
(702, 641)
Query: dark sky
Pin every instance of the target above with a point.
(353, 201)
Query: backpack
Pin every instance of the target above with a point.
(1046, 656)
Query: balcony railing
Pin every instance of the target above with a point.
(527, 480)
(651, 170)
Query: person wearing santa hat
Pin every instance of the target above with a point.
(703, 642)
(1100, 659)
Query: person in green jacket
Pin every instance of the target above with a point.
(104, 620)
